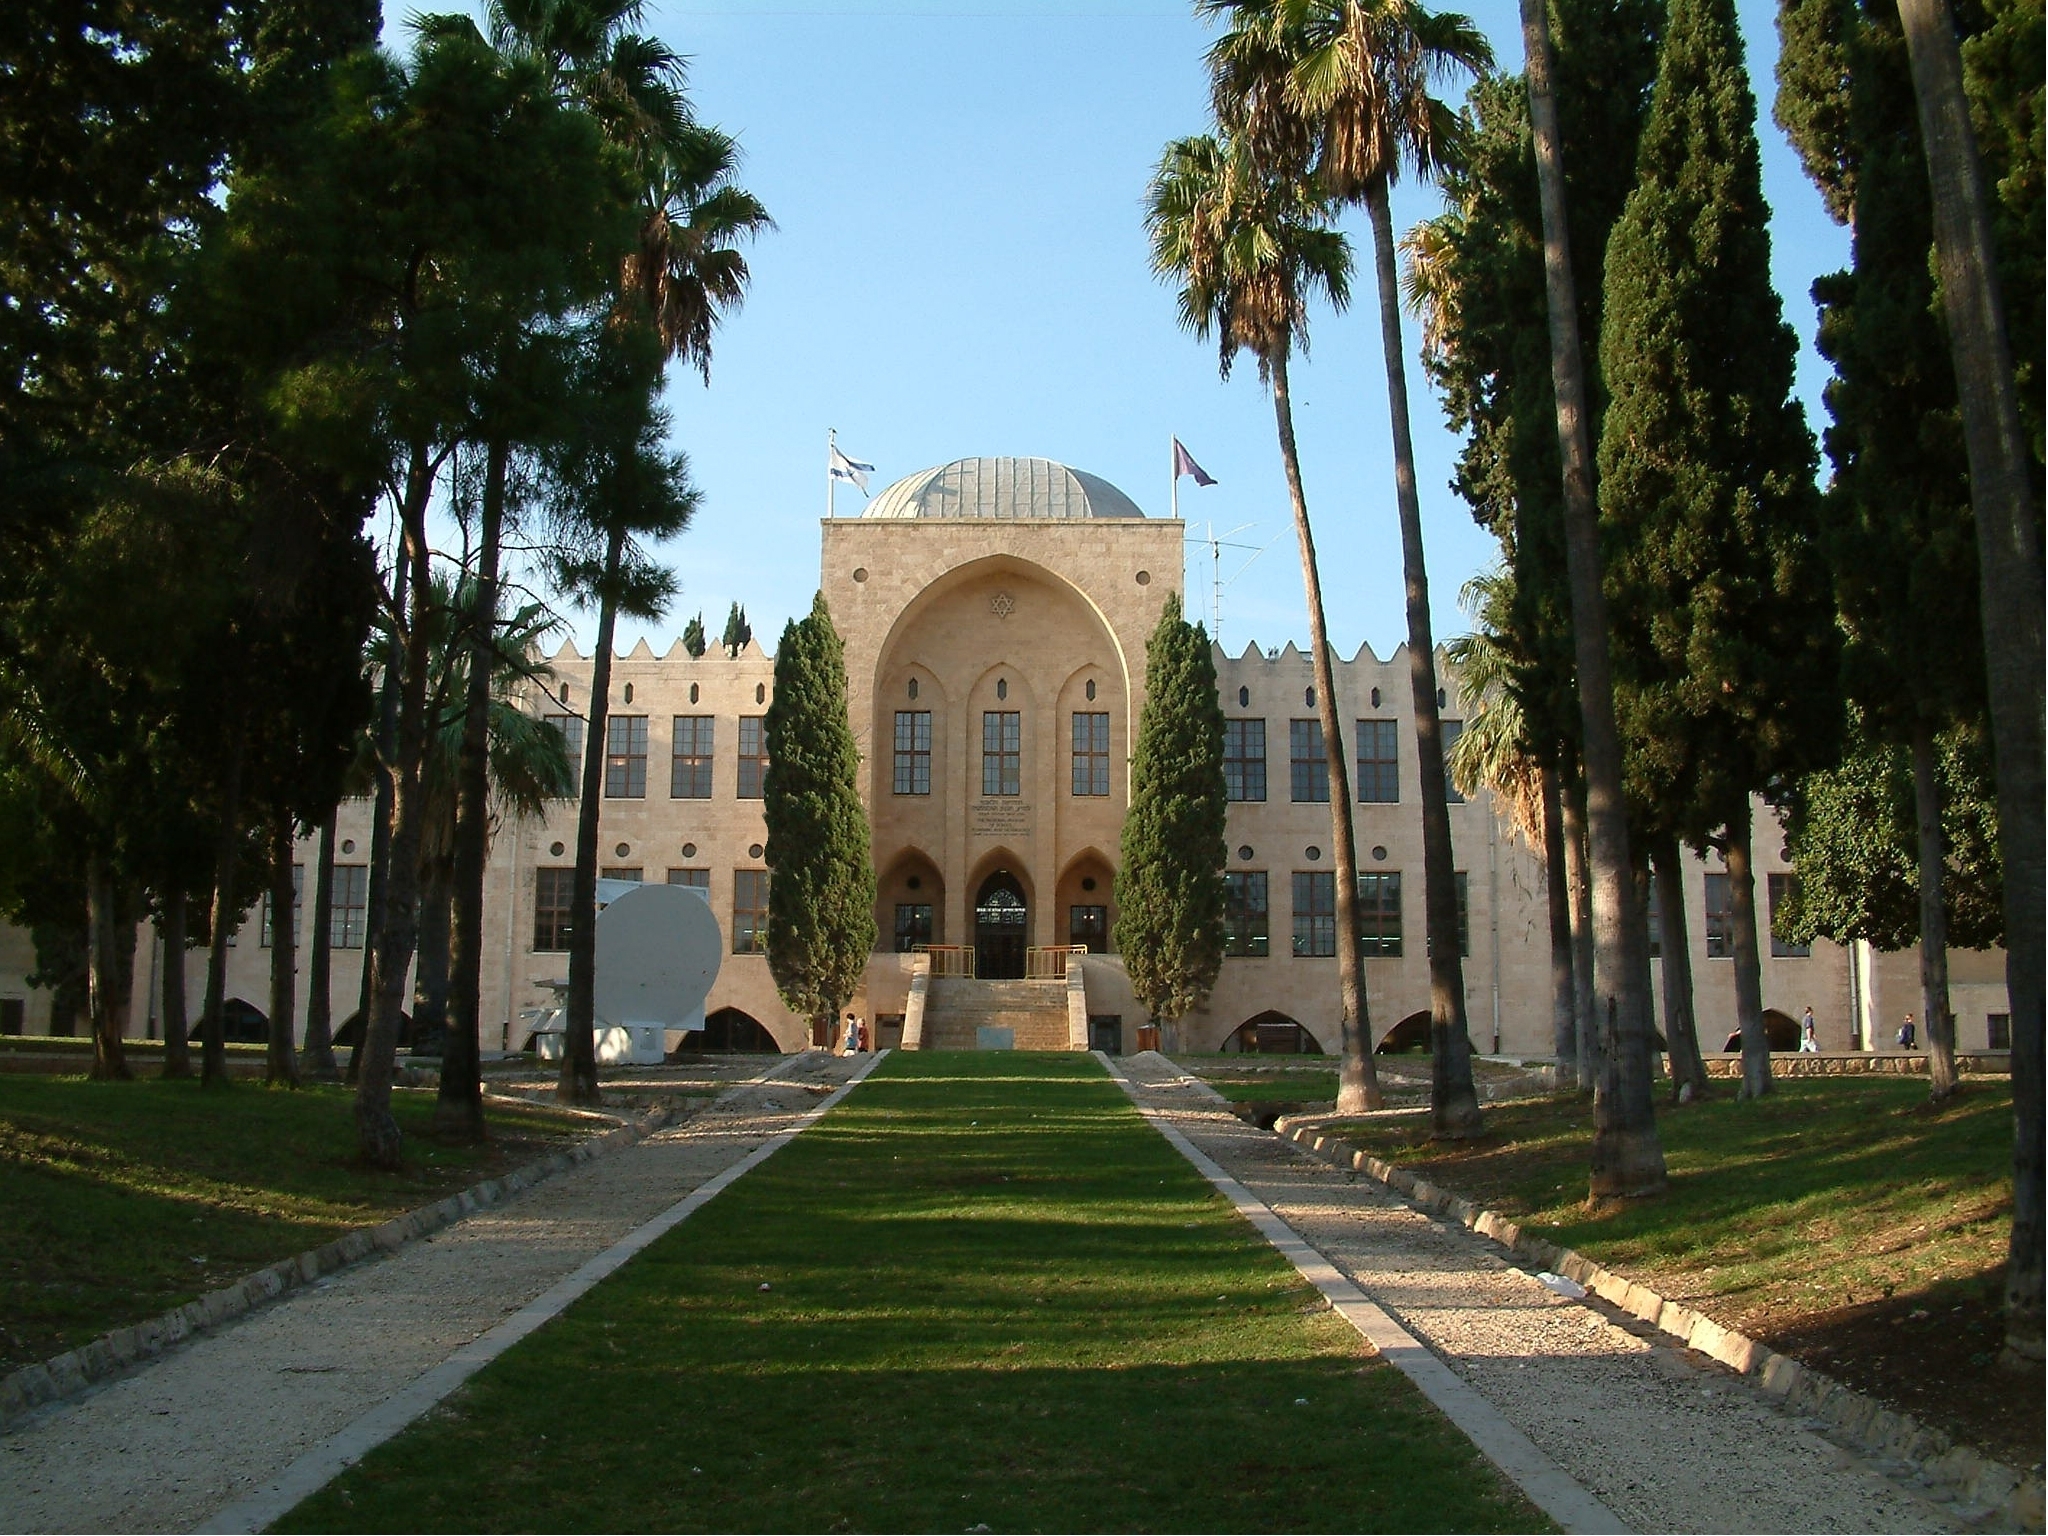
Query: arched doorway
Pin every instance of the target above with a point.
(1001, 921)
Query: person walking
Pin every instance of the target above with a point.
(1908, 1036)
(1809, 1036)
(852, 1034)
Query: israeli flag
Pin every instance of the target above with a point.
(844, 468)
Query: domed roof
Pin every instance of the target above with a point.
(1002, 488)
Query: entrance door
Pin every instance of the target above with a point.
(999, 928)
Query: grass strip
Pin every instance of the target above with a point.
(119, 1201)
(980, 1294)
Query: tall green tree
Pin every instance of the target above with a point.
(1349, 81)
(1169, 883)
(693, 636)
(737, 631)
(1249, 248)
(1727, 648)
(821, 890)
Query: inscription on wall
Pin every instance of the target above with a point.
(999, 817)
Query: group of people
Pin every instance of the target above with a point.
(1809, 1039)
(857, 1034)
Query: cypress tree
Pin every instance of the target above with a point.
(821, 891)
(1169, 886)
(737, 630)
(693, 636)
(1725, 645)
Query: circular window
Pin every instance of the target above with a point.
(1785, 851)
(754, 851)
(1244, 850)
(860, 573)
(1002, 687)
(1087, 882)
(1090, 690)
(760, 693)
(623, 849)
(689, 850)
(913, 688)
(1144, 578)
(554, 850)
(914, 883)
(348, 845)
(1379, 853)
(693, 693)
(1312, 853)
(629, 693)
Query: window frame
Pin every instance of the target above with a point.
(1782, 885)
(1379, 900)
(912, 769)
(1091, 757)
(1379, 772)
(690, 772)
(1247, 926)
(1002, 764)
(1241, 766)
(625, 761)
(752, 776)
(346, 917)
(1716, 919)
(750, 917)
(1308, 763)
(551, 918)
(1314, 914)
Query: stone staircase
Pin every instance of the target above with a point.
(967, 1014)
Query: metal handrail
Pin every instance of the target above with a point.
(949, 959)
(1048, 962)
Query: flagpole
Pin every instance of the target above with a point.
(831, 484)
(1173, 467)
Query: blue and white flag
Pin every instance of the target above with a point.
(844, 468)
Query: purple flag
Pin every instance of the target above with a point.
(1184, 464)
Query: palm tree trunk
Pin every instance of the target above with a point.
(1628, 1158)
(459, 1107)
(1564, 1034)
(213, 1056)
(316, 1055)
(278, 1065)
(377, 1134)
(108, 996)
(170, 927)
(579, 1041)
(1453, 1101)
(1358, 1083)
(1681, 1027)
(2003, 497)
(380, 822)
(1941, 1024)
(430, 967)
(1742, 945)
(1579, 881)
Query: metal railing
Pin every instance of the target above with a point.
(1049, 962)
(949, 959)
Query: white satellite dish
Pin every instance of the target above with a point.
(658, 952)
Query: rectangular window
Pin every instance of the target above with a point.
(551, 908)
(913, 752)
(1315, 913)
(1379, 762)
(1780, 889)
(625, 757)
(1654, 915)
(1089, 925)
(1246, 923)
(1715, 916)
(1998, 1031)
(1308, 769)
(698, 878)
(753, 755)
(621, 872)
(1244, 759)
(350, 894)
(913, 925)
(298, 902)
(689, 769)
(1463, 887)
(571, 727)
(1452, 729)
(1379, 914)
(13, 1015)
(1002, 736)
(1091, 755)
(749, 911)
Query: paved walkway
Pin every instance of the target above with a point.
(1666, 1439)
(167, 1447)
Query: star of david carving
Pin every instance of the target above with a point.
(1002, 605)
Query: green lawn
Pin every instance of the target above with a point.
(1826, 1193)
(121, 1200)
(980, 1293)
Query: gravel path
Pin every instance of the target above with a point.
(1668, 1440)
(166, 1447)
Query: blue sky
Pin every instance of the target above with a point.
(960, 268)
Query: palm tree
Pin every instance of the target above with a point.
(1249, 249)
(1628, 1158)
(1340, 88)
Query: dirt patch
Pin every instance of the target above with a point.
(1933, 1355)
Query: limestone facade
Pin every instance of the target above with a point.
(996, 671)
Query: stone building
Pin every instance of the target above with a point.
(995, 613)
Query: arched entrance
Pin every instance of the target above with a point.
(1001, 921)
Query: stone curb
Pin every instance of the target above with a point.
(1990, 1486)
(70, 1373)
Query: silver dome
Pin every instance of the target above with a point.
(1002, 488)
